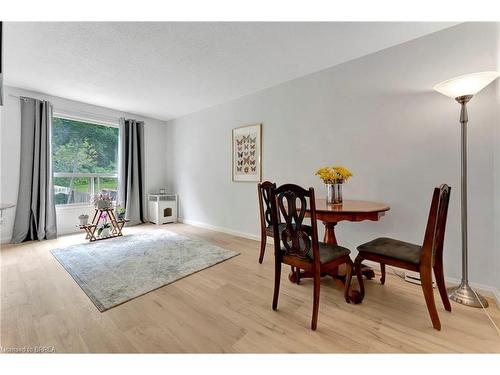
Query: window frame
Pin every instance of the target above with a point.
(92, 119)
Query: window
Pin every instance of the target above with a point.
(85, 157)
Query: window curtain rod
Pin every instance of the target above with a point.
(66, 111)
(17, 96)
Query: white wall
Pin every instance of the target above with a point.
(10, 133)
(378, 116)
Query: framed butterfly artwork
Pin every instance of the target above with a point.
(247, 153)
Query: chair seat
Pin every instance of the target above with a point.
(328, 253)
(392, 248)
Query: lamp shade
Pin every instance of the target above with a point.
(468, 84)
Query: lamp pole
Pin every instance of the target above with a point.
(463, 293)
(464, 118)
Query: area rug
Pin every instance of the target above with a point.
(117, 270)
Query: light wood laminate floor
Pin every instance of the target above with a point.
(225, 308)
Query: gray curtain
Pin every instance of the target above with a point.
(35, 210)
(131, 191)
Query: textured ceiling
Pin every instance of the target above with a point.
(165, 70)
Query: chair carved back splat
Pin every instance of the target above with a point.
(264, 190)
(296, 239)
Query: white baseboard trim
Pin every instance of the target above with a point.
(219, 229)
(486, 290)
(5, 240)
(496, 295)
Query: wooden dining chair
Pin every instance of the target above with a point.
(297, 244)
(423, 259)
(266, 226)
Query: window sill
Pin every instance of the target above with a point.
(73, 206)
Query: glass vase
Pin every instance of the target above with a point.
(334, 193)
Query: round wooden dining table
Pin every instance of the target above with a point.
(330, 215)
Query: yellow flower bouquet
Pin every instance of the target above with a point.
(334, 177)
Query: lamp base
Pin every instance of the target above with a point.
(464, 295)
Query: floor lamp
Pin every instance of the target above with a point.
(462, 89)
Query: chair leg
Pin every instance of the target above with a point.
(317, 279)
(426, 281)
(263, 240)
(439, 274)
(382, 270)
(277, 279)
(348, 277)
(359, 276)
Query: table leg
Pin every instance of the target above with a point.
(292, 276)
(337, 274)
(296, 274)
(330, 233)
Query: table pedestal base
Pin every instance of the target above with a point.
(338, 274)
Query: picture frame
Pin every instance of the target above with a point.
(247, 153)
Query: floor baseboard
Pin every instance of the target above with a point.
(486, 290)
(219, 229)
(496, 294)
(5, 240)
